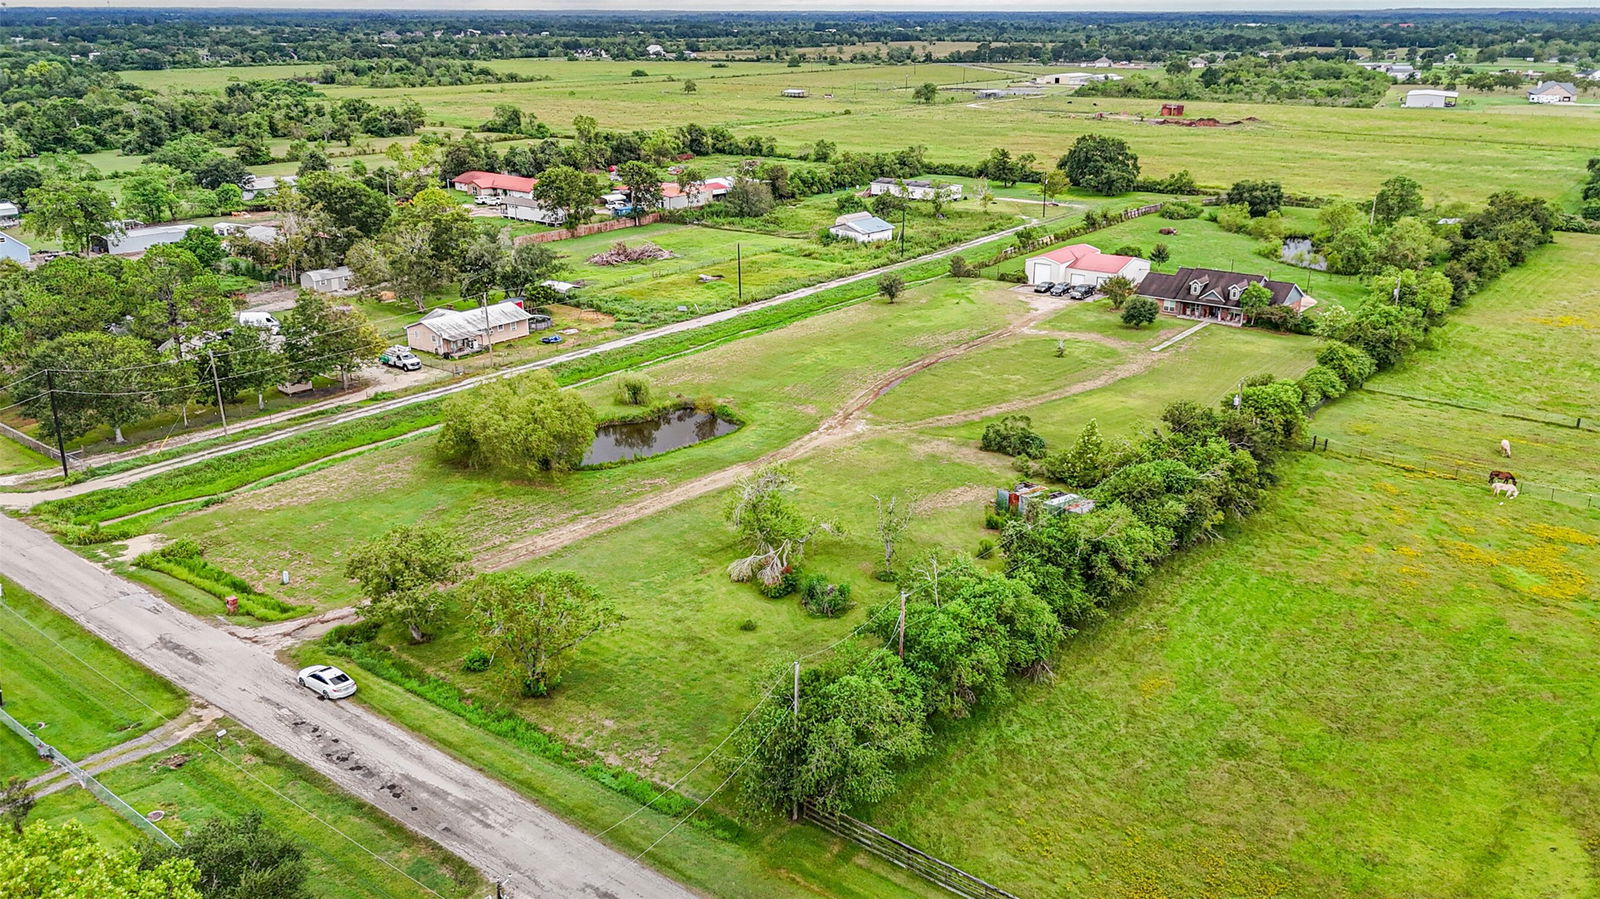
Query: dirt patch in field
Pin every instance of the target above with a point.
(954, 498)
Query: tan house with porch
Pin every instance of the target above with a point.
(449, 333)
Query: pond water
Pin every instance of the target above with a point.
(624, 441)
(1302, 252)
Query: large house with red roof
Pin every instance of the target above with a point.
(1083, 264)
(494, 184)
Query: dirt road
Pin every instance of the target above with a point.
(29, 500)
(492, 827)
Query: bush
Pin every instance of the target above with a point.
(1351, 364)
(848, 203)
(1177, 210)
(633, 390)
(749, 624)
(823, 599)
(785, 585)
(1014, 436)
(1233, 218)
(1012, 277)
(985, 547)
(992, 520)
(476, 660)
(1129, 250)
(961, 268)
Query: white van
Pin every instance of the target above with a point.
(259, 320)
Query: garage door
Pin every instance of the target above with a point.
(1038, 272)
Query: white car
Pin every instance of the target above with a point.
(327, 682)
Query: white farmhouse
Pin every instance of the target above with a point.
(861, 227)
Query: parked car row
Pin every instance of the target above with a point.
(1070, 291)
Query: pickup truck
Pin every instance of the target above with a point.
(401, 358)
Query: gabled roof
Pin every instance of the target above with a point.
(1544, 86)
(863, 222)
(323, 274)
(1214, 286)
(452, 325)
(495, 181)
(1083, 257)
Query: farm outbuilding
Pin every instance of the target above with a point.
(326, 280)
(861, 227)
(1083, 264)
(1031, 500)
(795, 93)
(137, 240)
(1430, 99)
(1175, 109)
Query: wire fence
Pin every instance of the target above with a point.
(934, 870)
(1590, 423)
(1453, 470)
(86, 780)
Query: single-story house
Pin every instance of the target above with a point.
(326, 280)
(1198, 62)
(862, 227)
(494, 184)
(9, 213)
(1208, 294)
(13, 249)
(259, 187)
(265, 232)
(674, 196)
(1103, 62)
(916, 190)
(656, 50)
(1553, 92)
(526, 209)
(448, 333)
(137, 240)
(1430, 99)
(1083, 264)
(795, 93)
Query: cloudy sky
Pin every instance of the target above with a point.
(817, 5)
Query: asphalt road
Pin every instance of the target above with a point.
(28, 500)
(485, 822)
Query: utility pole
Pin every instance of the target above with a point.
(904, 205)
(902, 624)
(221, 409)
(797, 688)
(483, 303)
(738, 250)
(55, 416)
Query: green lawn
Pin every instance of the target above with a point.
(1379, 686)
(1012, 370)
(253, 776)
(16, 458)
(1528, 345)
(58, 675)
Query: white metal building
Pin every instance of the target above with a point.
(326, 280)
(1430, 99)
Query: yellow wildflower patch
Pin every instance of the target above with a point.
(1564, 535)
(1467, 553)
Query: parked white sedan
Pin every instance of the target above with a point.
(327, 682)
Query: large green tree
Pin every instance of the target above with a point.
(1397, 198)
(401, 575)
(537, 619)
(644, 187)
(319, 338)
(1103, 164)
(100, 379)
(523, 425)
(73, 212)
(66, 862)
(238, 858)
(575, 194)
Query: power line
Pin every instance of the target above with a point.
(218, 753)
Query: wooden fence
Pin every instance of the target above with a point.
(586, 230)
(1082, 229)
(907, 856)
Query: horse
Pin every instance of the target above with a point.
(1505, 448)
(1510, 490)
(1502, 476)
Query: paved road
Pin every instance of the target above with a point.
(494, 828)
(28, 500)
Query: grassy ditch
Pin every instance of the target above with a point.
(184, 561)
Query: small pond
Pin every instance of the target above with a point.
(1302, 252)
(625, 441)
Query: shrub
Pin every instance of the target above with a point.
(823, 599)
(476, 660)
(961, 268)
(1351, 364)
(1129, 250)
(1014, 436)
(786, 584)
(848, 203)
(1012, 277)
(1177, 210)
(634, 390)
(985, 547)
(1139, 311)
(1233, 218)
(749, 624)
(992, 520)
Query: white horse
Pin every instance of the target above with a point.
(1505, 448)
(1510, 490)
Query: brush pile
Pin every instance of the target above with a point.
(621, 253)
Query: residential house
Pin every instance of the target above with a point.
(1430, 99)
(494, 184)
(656, 50)
(916, 190)
(133, 241)
(674, 196)
(1198, 62)
(1553, 92)
(525, 209)
(448, 333)
(1103, 62)
(327, 280)
(260, 187)
(862, 227)
(1212, 295)
(9, 213)
(1083, 264)
(263, 232)
(13, 249)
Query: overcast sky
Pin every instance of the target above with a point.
(820, 5)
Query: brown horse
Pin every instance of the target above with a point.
(1504, 477)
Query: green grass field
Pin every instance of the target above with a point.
(1528, 345)
(192, 784)
(1012, 370)
(1380, 685)
(58, 687)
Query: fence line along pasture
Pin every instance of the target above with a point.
(906, 856)
(1591, 424)
(1455, 471)
(86, 780)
